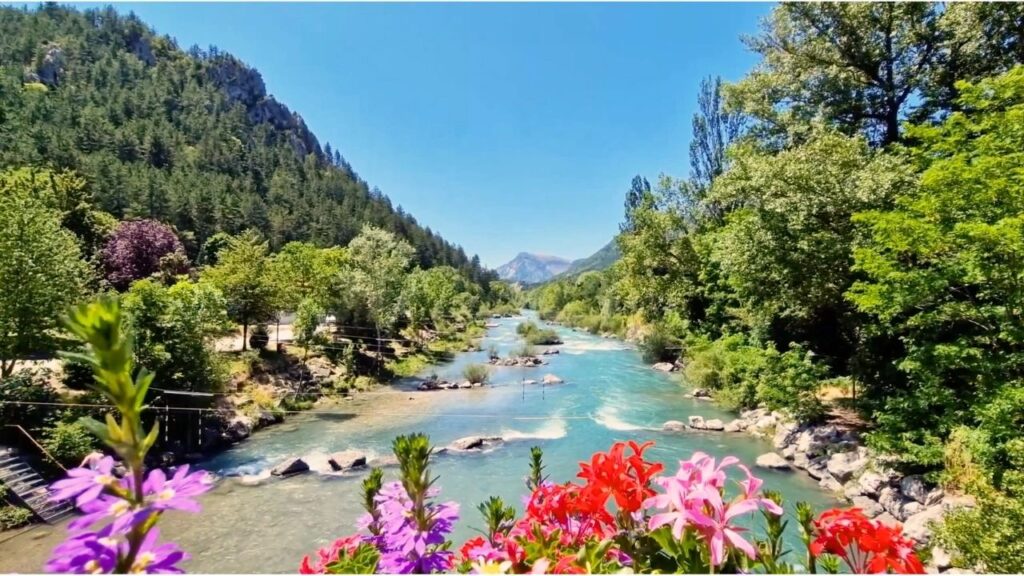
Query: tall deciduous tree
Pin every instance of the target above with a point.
(41, 274)
(244, 276)
(714, 128)
(857, 64)
(378, 261)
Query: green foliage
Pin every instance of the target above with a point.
(498, 516)
(379, 261)
(430, 298)
(244, 277)
(173, 327)
(27, 386)
(69, 443)
(476, 373)
(659, 346)
(307, 320)
(41, 270)
(730, 365)
(525, 351)
(13, 517)
(791, 382)
(941, 271)
(535, 335)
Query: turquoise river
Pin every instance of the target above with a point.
(251, 523)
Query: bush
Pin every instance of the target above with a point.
(69, 443)
(77, 374)
(791, 382)
(258, 337)
(730, 366)
(476, 373)
(534, 334)
(13, 517)
(658, 346)
(27, 386)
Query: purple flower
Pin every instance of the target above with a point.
(85, 553)
(123, 513)
(176, 493)
(156, 559)
(406, 546)
(85, 484)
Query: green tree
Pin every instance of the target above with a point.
(942, 271)
(859, 64)
(41, 273)
(429, 296)
(244, 276)
(378, 261)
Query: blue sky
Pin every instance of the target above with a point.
(505, 127)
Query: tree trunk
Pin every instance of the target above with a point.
(245, 335)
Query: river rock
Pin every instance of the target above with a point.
(696, 422)
(673, 426)
(701, 393)
(789, 452)
(289, 467)
(852, 490)
(897, 504)
(918, 527)
(934, 497)
(913, 486)
(552, 379)
(238, 428)
(940, 558)
(830, 484)
(664, 367)
(753, 415)
(529, 382)
(872, 483)
(844, 465)
(764, 423)
(773, 461)
(785, 434)
(472, 443)
(801, 461)
(551, 352)
(887, 519)
(817, 468)
(465, 384)
(733, 426)
(814, 441)
(869, 507)
(346, 460)
(714, 425)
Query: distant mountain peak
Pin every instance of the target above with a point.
(530, 268)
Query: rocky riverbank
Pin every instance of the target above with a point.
(835, 456)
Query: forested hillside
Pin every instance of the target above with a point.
(191, 138)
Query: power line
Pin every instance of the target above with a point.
(313, 412)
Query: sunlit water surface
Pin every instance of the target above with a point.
(609, 394)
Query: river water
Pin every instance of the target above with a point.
(609, 394)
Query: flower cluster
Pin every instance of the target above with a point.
(693, 503)
(865, 545)
(407, 545)
(129, 539)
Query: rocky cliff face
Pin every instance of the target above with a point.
(245, 86)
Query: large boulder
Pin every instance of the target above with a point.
(785, 434)
(673, 426)
(869, 507)
(817, 468)
(346, 460)
(696, 422)
(238, 428)
(918, 527)
(914, 487)
(773, 461)
(701, 393)
(733, 426)
(845, 465)
(664, 367)
(551, 379)
(872, 483)
(289, 467)
(814, 441)
(714, 425)
(830, 484)
(897, 504)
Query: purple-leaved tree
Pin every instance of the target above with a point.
(134, 251)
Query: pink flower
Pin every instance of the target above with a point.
(693, 498)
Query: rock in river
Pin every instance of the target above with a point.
(552, 379)
(664, 367)
(290, 466)
(673, 426)
(773, 461)
(472, 443)
(346, 460)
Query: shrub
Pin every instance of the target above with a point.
(476, 373)
(258, 337)
(657, 346)
(77, 374)
(69, 442)
(730, 366)
(534, 334)
(790, 382)
(987, 538)
(27, 386)
(13, 517)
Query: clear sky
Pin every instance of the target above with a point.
(505, 127)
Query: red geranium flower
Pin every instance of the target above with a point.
(867, 546)
(614, 474)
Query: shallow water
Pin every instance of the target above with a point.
(609, 394)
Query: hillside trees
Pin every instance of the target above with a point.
(41, 272)
(243, 275)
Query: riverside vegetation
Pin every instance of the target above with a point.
(850, 238)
